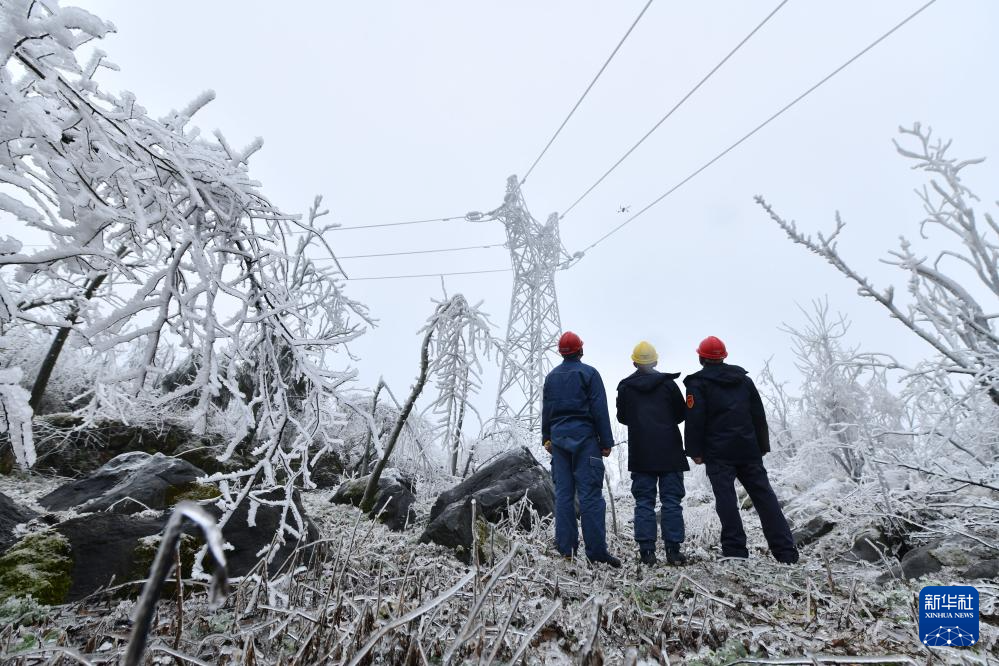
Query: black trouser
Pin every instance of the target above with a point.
(753, 477)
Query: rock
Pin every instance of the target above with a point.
(985, 569)
(959, 551)
(248, 540)
(129, 483)
(68, 446)
(106, 547)
(452, 528)
(919, 562)
(40, 564)
(863, 550)
(11, 514)
(328, 470)
(812, 531)
(503, 482)
(393, 503)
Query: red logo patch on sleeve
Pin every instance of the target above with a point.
(690, 401)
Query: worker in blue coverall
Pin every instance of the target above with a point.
(650, 403)
(576, 431)
(727, 431)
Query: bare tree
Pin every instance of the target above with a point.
(452, 337)
(845, 407)
(941, 310)
(159, 238)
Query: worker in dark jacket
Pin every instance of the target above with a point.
(727, 431)
(651, 405)
(575, 429)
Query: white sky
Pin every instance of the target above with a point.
(405, 110)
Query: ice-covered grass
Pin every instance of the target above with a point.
(363, 592)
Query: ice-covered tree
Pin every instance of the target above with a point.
(453, 337)
(159, 238)
(462, 334)
(845, 408)
(953, 290)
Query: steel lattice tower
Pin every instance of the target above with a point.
(536, 252)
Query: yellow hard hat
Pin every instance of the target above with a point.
(644, 353)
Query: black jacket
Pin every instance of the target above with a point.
(651, 405)
(725, 415)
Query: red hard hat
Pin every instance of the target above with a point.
(569, 344)
(712, 348)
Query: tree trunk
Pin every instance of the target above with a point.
(456, 443)
(366, 459)
(58, 342)
(368, 500)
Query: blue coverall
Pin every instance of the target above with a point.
(574, 417)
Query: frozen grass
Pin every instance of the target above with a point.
(363, 594)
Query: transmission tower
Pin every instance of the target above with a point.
(536, 252)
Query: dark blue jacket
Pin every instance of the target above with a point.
(725, 415)
(651, 405)
(574, 407)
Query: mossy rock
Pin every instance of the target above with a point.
(145, 554)
(67, 446)
(39, 565)
(193, 492)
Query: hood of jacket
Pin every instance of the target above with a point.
(646, 382)
(721, 373)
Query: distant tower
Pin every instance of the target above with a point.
(536, 252)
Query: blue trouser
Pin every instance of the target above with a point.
(579, 474)
(753, 477)
(643, 488)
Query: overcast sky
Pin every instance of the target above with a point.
(399, 110)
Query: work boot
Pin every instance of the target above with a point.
(673, 555)
(788, 558)
(648, 557)
(607, 559)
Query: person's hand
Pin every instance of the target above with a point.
(548, 445)
(698, 460)
(605, 452)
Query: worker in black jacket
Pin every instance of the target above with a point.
(651, 405)
(727, 431)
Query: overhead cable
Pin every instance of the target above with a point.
(425, 275)
(675, 107)
(406, 252)
(586, 92)
(759, 127)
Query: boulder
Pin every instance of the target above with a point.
(508, 479)
(76, 558)
(11, 514)
(106, 547)
(80, 556)
(38, 565)
(961, 551)
(130, 483)
(985, 569)
(248, 540)
(393, 502)
(919, 562)
(812, 531)
(868, 543)
(69, 446)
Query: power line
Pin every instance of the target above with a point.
(391, 224)
(424, 275)
(759, 127)
(675, 107)
(585, 92)
(398, 254)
